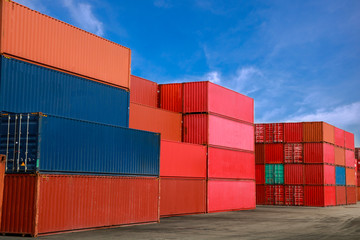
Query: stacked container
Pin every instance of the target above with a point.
(357, 159)
(79, 167)
(303, 164)
(221, 120)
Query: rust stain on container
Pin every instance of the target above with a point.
(318, 132)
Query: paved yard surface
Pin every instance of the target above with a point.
(266, 222)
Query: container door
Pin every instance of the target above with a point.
(269, 174)
(279, 174)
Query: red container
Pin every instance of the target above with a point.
(274, 132)
(274, 153)
(349, 140)
(143, 91)
(319, 153)
(182, 196)
(274, 195)
(171, 97)
(358, 194)
(179, 159)
(318, 132)
(339, 137)
(350, 159)
(38, 38)
(351, 177)
(259, 133)
(230, 195)
(218, 132)
(294, 174)
(340, 195)
(207, 97)
(357, 153)
(259, 153)
(293, 153)
(319, 196)
(223, 163)
(260, 194)
(319, 174)
(2, 178)
(59, 203)
(260, 173)
(293, 132)
(167, 123)
(351, 195)
(294, 195)
(340, 156)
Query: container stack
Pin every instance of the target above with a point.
(78, 166)
(357, 158)
(304, 164)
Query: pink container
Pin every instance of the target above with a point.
(350, 158)
(339, 137)
(349, 140)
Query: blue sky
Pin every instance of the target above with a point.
(299, 59)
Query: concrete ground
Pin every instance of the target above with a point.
(266, 222)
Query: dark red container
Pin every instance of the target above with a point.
(319, 153)
(319, 174)
(45, 204)
(224, 163)
(259, 153)
(218, 132)
(2, 178)
(260, 173)
(274, 132)
(207, 97)
(259, 133)
(293, 132)
(293, 153)
(294, 195)
(339, 137)
(274, 195)
(182, 196)
(230, 195)
(340, 195)
(179, 159)
(319, 196)
(349, 140)
(351, 195)
(294, 174)
(171, 97)
(274, 153)
(143, 91)
(350, 158)
(260, 194)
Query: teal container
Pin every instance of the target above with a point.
(274, 174)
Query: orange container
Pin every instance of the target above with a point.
(350, 177)
(358, 194)
(143, 91)
(318, 132)
(339, 156)
(35, 37)
(167, 123)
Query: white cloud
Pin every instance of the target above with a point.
(83, 15)
(213, 77)
(247, 79)
(162, 4)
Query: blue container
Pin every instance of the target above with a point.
(26, 87)
(340, 176)
(37, 143)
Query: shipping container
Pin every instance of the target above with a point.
(259, 133)
(294, 195)
(171, 97)
(45, 143)
(294, 174)
(319, 196)
(357, 153)
(2, 178)
(319, 153)
(274, 132)
(340, 176)
(350, 159)
(358, 194)
(274, 195)
(218, 132)
(318, 132)
(340, 195)
(26, 87)
(339, 156)
(167, 123)
(143, 91)
(339, 137)
(179, 159)
(259, 153)
(274, 153)
(59, 203)
(293, 132)
(260, 173)
(181, 196)
(350, 175)
(230, 195)
(207, 97)
(30, 35)
(260, 194)
(351, 195)
(224, 163)
(274, 174)
(349, 140)
(319, 174)
(293, 153)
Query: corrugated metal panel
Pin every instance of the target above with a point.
(195, 98)
(167, 123)
(2, 179)
(229, 195)
(73, 202)
(294, 174)
(274, 132)
(314, 174)
(182, 196)
(293, 132)
(318, 132)
(293, 153)
(260, 174)
(42, 39)
(182, 160)
(275, 195)
(349, 140)
(294, 195)
(57, 144)
(259, 133)
(171, 97)
(350, 177)
(358, 194)
(340, 195)
(260, 195)
(351, 195)
(329, 175)
(340, 176)
(314, 196)
(25, 87)
(313, 153)
(350, 158)
(143, 91)
(329, 153)
(329, 196)
(195, 128)
(274, 174)
(339, 156)
(259, 153)
(274, 153)
(357, 153)
(224, 163)
(339, 137)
